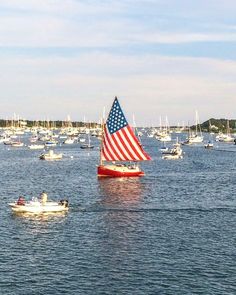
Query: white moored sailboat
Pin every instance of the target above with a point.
(195, 137)
(226, 137)
(120, 147)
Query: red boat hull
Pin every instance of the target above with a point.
(117, 171)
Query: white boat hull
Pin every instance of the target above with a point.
(69, 141)
(17, 144)
(38, 208)
(36, 146)
(50, 156)
(196, 139)
(172, 157)
(174, 153)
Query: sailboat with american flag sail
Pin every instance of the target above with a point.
(120, 148)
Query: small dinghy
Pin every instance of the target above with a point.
(37, 207)
(209, 145)
(50, 156)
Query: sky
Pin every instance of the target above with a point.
(161, 58)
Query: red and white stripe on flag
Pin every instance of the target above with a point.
(122, 145)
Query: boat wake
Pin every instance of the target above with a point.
(92, 209)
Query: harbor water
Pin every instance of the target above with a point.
(169, 232)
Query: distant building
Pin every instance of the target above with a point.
(213, 127)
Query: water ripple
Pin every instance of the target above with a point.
(171, 232)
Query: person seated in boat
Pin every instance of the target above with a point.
(120, 164)
(175, 152)
(21, 201)
(131, 166)
(44, 198)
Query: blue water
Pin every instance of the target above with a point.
(170, 232)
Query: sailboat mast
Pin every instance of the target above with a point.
(136, 130)
(101, 146)
(196, 122)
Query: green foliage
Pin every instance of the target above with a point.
(218, 125)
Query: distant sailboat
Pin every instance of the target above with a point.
(120, 147)
(226, 137)
(17, 143)
(197, 136)
(164, 133)
(87, 145)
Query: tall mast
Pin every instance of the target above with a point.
(101, 146)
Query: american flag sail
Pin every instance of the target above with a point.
(119, 140)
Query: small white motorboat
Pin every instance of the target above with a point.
(209, 145)
(17, 144)
(37, 207)
(50, 156)
(36, 146)
(174, 153)
(69, 141)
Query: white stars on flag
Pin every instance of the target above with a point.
(116, 119)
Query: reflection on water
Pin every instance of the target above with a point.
(48, 216)
(38, 223)
(119, 224)
(121, 191)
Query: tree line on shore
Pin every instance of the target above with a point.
(215, 125)
(219, 125)
(45, 124)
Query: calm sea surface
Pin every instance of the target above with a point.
(170, 232)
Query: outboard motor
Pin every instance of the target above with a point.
(64, 203)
